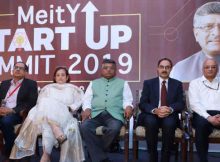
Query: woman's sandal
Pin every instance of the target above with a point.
(61, 139)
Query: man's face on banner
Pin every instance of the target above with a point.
(207, 33)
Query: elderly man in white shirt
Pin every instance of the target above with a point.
(204, 98)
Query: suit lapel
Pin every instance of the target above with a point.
(21, 89)
(157, 89)
(170, 89)
(7, 86)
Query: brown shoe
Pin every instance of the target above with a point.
(61, 139)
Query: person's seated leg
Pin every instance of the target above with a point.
(7, 124)
(168, 126)
(48, 142)
(58, 133)
(93, 142)
(202, 131)
(111, 130)
(45, 157)
(151, 123)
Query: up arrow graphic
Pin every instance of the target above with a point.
(90, 10)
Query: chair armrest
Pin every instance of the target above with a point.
(136, 112)
(184, 124)
(23, 114)
(188, 125)
(127, 125)
(77, 115)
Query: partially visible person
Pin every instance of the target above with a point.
(52, 117)
(17, 95)
(161, 101)
(107, 102)
(206, 29)
(204, 99)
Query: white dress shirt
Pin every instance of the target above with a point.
(11, 101)
(204, 95)
(127, 97)
(159, 104)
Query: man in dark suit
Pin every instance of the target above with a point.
(160, 103)
(16, 95)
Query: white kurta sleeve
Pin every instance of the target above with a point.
(127, 96)
(87, 99)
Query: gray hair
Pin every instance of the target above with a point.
(206, 9)
(210, 59)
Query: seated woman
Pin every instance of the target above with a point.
(52, 118)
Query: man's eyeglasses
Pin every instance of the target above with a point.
(165, 67)
(210, 67)
(207, 86)
(108, 67)
(208, 27)
(19, 68)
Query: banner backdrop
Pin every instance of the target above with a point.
(79, 34)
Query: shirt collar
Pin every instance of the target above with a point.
(216, 79)
(109, 79)
(161, 80)
(17, 83)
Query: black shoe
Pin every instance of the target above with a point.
(106, 160)
(115, 147)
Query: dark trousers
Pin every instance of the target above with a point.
(98, 145)
(152, 124)
(7, 124)
(202, 131)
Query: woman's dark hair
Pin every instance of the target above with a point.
(66, 71)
